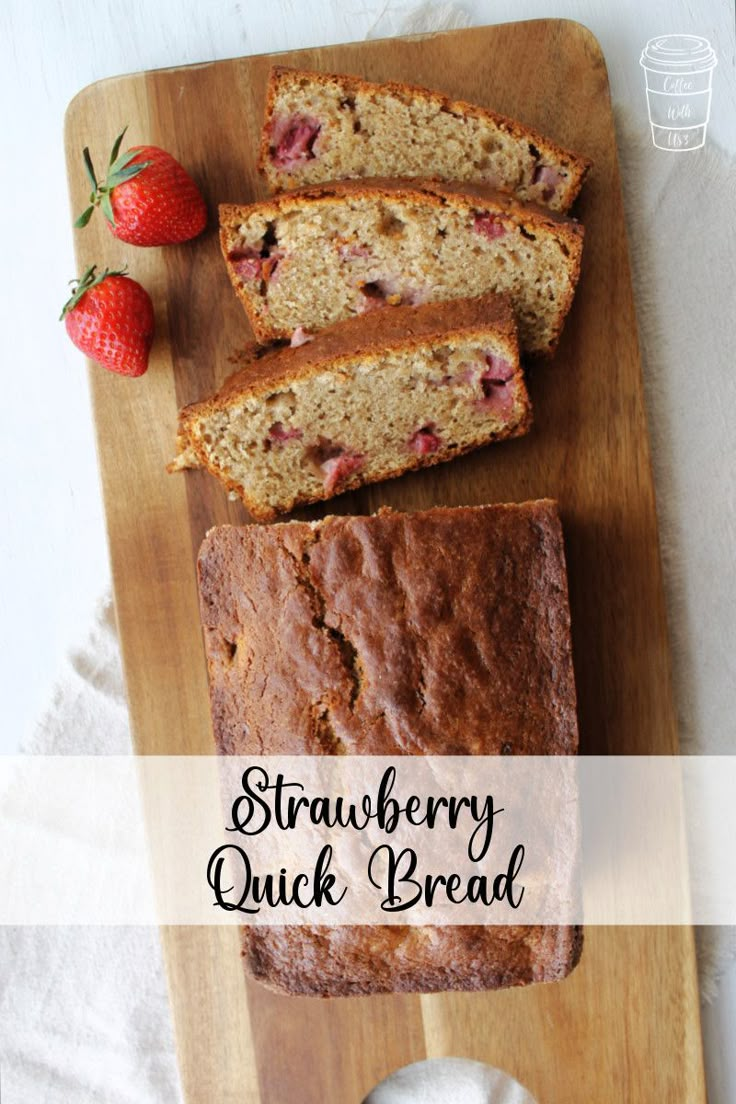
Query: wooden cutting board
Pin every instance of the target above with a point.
(625, 1025)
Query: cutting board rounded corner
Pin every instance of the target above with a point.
(77, 106)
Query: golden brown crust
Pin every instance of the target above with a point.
(478, 662)
(366, 336)
(567, 231)
(577, 165)
(413, 188)
(366, 960)
(485, 586)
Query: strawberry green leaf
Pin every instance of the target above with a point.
(106, 206)
(126, 174)
(123, 160)
(119, 171)
(84, 218)
(90, 169)
(116, 147)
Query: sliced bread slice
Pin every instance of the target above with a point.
(366, 400)
(323, 126)
(315, 256)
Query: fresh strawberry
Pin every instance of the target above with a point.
(110, 318)
(147, 198)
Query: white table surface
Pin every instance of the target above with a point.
(53, 552)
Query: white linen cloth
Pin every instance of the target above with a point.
(83, 1013)
(682, 238)
(445, 1080)
(84, 1016)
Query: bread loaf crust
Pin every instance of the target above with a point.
(263, 367)
(473, 595)
(367, 960)
(441, 632)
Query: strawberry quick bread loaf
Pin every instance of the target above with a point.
(367, 399)
(312, 257)
(444, 632)
(320, 127)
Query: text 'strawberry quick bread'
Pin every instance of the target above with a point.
(477, 661)
(368, 399)
(320, 126)
(308, 258)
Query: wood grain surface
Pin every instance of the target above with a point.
(625, 1025)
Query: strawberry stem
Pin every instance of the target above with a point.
(81, 286)
(118, 171)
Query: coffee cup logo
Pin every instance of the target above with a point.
(679, 70)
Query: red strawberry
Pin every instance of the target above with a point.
(147, 198)
(110, 318)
